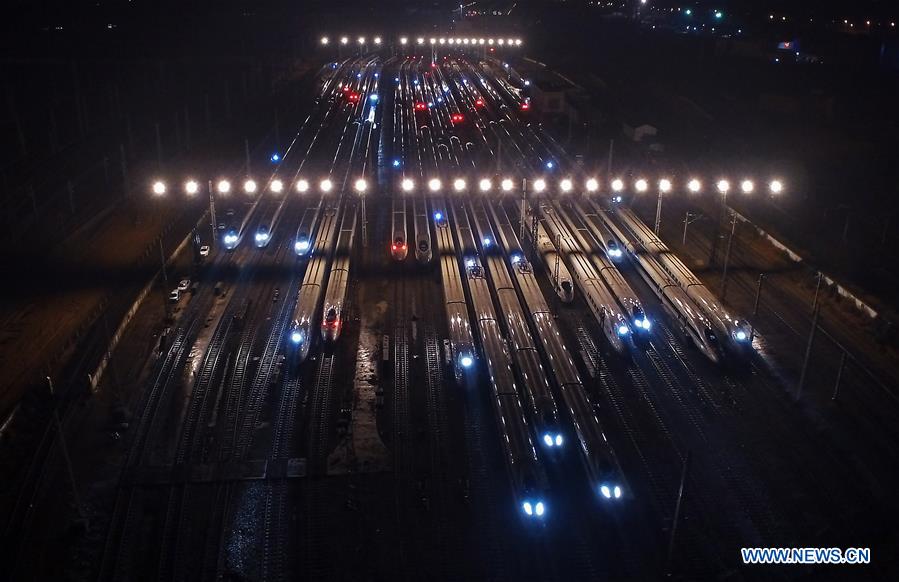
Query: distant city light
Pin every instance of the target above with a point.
(776, 186)
(324, 40)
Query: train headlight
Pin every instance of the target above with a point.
(559, 440)
(466, 361)
(528, 508)
(606, 491)
(487, 242)
(301, 245)
(741, 335)
(261, 236)
(296, 337)
(539, 509)
(622, 329)
(617, 492)
(548, 439)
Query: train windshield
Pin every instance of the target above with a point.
(331, 316)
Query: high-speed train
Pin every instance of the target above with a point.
(606, 478)
(612, 321)
(423, 253)
(731, 329)
(461, 340)
(591, 215)
(539, 403)
(302, 242)
(335, 296)
(525, 470)
(616, 283)
(695, 326)
(558, 272)
(399, 247)
(309, 297)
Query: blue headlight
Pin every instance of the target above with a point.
(622, 329)
(466, 361)
(528, 508)
(741, 335)
(539, 509)
(558, 440)
(487, 241)
(296, 337)
(301, 245)
(548, 440)
(606, 492)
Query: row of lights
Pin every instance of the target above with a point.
(566, 185)
(404, 40)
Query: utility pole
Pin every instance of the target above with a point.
(808, 352)
(817, 290)
(658, 213)
(758, 294)
(730, 241)
(836, 385)
(687, 221)
(65, 451)
(165, 276)
(211, 214)
(677, 511)
(556, 271)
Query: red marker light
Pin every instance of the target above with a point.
(479, 102)
(525, 106)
